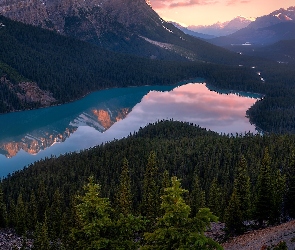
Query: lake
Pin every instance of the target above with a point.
(28, 136)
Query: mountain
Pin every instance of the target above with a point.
(127, 26)
(268, 29)
(39, 67)
(222, 29)
(192, 33)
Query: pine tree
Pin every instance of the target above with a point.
(55, 216)
(92, 230)
(263, 209)
(3, 211)
(151, 190)
(21, 218)
(233, 215)
(215, 198)
(41, 238)
(290, 202)
(175, 229)
(242, 185)
(124, 195)
(95, 229)
(197, 196)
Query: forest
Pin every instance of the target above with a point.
(245, 180)
(69, 69)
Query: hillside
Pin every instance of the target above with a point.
(270, 236)
(210, 166)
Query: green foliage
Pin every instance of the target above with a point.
(124, 195)
(95, 229)
(233, 215)
(175, 229)
(93, 219)
(41, 238)
(280, 246)
(197, 197)
(151, 189)
(181, 149)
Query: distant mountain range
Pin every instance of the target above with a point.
(268, 29)
(221, 29)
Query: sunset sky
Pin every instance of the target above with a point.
(204, 12)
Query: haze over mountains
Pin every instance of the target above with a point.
(222, 29)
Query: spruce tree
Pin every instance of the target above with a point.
(290, 196)
(197, 196)
(242, 185)
(151, 190)
(233, 215)
(215, 198)
(92, 230)
(175, 229)
(3, 210)
(263, 209)
(124, 195)
(41, 238)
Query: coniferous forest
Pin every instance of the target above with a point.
(161, 187)
(129, 188)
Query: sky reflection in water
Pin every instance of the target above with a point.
(191, 102)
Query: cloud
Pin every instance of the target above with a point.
(157, 4)
(234, 2)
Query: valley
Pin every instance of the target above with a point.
(98, 107)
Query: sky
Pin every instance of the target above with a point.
(206, 12)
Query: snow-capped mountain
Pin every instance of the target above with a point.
(222, 29)
(267, 29)
(277, 16)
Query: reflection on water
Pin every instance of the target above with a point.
(103, 116)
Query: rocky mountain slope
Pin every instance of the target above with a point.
(128, 26)
(263, 238)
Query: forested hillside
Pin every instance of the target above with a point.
(69, 68)
(239, 177)
(40, 68)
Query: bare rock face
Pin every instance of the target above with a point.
(118, 25)
(56, 14)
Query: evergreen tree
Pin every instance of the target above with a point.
(21, 218)
(55, 216)
(3, 211)
(197, 196)
(95, 229)
(33, 210)
(242, 185)
(175, 229)
(41, 238)
(124, 195)
(150, 200)
(279, 187)
(290, 196)
(263, 209)
(215, 198)
(233, 215)
(92, 230)
(165, 181)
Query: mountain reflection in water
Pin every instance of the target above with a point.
(113, 114)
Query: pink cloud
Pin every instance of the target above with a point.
(234, 2)
(157, 4)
